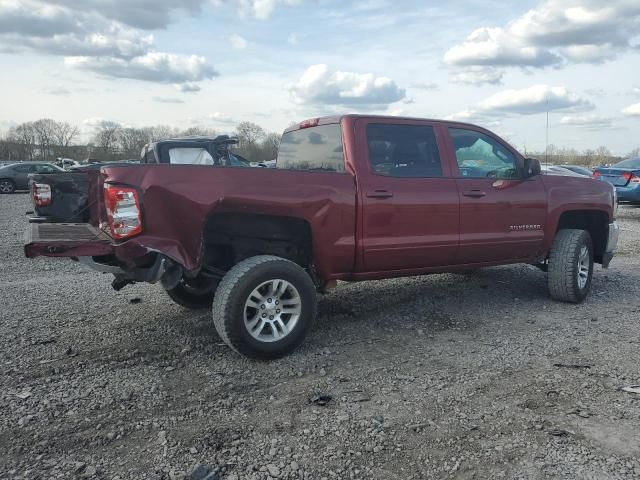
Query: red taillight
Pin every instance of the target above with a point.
(627, 176)
(41, 194)
(123, 211)
(313, 122)
(596, 174)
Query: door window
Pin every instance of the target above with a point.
(24, 168)
(480, 156)
(403, 150)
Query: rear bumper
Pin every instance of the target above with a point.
(631, 194)
(612, 244)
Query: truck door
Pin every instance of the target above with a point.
(502, 214)
(409, 201)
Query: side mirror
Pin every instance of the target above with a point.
(531, 167)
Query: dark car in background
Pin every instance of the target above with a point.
(625, 176)
(16, 176)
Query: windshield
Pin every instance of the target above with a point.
(629, 163)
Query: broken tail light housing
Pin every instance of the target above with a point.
(124, 214)
(312, 122)
(596, 174)
(634, 178)
(41, 194)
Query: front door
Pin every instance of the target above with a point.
(502, 214)
(409, 200)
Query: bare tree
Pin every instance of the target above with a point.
(635, 153)
(249, 133)
(131, 141)
(24, 136)
(107, 136)
(198, 132)
(270, 144)
(64, 133)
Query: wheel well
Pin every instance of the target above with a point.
(232, 237)
(593, 221)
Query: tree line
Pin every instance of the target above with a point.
(47, 139)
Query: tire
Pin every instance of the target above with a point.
(571, 254)
(194, 294)
(265, 330)
(7, 186)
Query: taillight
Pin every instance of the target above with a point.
(634, 178)
(627, 176)
(123, 211)
(312, 122)
(596, 174)
(41, 194)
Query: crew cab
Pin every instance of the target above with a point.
(352, 198)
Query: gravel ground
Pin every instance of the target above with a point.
(447, 376)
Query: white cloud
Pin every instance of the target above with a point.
(527, 101)
(98, 35)
(321, 86)
(167, 100)
(425, 86)
(153, 67)
(632, 110)
(589, 122)
(555, 33)
(237, 42)
(187, 87)
(476, 75)
(261, 9)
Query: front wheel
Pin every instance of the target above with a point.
(264, 307)
(7, 186)
(570, 268)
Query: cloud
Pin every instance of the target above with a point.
(153, 67)
(237, 42)
(167, 100)
(215, 120)
(527, 101)
(588, 122)
(425, 86)
(321, 86)
(97, 122)
(105, 36)
(554, 34)
(57, 90)
(475, 75)
(292, 39)
(632, 110)
(260, 9)
(187, 87)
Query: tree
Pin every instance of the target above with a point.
(249, 133)
(107, 136)
(270, 145)
(198, 132)
(24, 136)
(635, 153)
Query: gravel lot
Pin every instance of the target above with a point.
(448, 376)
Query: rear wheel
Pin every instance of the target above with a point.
(194, 293)
(7, 186)
(570, 267)
(264, 307)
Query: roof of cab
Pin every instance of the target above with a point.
(338, 118)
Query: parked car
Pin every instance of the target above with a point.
(16, 176)
(351, 198)
(556, 170)
(624, 176)
(578, 169)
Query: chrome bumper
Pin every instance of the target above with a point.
(612, 244)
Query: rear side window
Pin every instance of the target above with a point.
(24, 168)
(403, 150)
(189, 156)
(315, 149)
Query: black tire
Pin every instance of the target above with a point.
(7, 186)
(230, 309)
(195, 294)
(564, 269)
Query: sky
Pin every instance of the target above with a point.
(214, 63)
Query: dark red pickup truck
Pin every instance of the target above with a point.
(352, 198)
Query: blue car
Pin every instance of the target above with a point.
(625, 176)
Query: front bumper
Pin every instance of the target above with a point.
(612, 244)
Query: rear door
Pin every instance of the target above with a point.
(21, 175)
(409, 201)
(502, 215)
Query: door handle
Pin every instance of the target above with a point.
(380, 194)
(474, 193)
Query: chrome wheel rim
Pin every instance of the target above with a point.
(272, 310)
(583, 267)
(5, 187)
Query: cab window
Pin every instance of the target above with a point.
(480, 156)
(400, 150)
